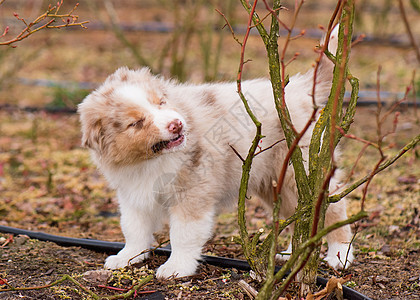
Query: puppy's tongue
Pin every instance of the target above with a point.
(168, 144)
(175, 142)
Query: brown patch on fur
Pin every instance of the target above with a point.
(108, 93)
(154, 98)
(209, 99)
(196, 155)
(134, 113)
(117, 125)
(124, 77)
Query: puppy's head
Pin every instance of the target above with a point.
(129, 119)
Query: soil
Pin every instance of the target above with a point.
(47, 182)
(49, 185)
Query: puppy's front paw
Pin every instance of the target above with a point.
(177, 267)
(121, 260)
(339, 256)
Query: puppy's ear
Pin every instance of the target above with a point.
(92, 128)
(93, 135)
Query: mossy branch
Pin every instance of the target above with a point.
(86, 290)
(248, 246)
(305, 249)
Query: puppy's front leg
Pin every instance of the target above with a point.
(190, 228)
(138, 226)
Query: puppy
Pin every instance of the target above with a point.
(166, 148)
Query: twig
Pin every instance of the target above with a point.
(50, 16)
(269, 147)
(273, 12)
(369, 180)
(378, 111)
(126, 295)
(8, 240)
(112, 15)
(57, 282)
(147, 251)
(255, 262)
(268, 14)
(237, 153)
(251, 292)
(308, 246)
(382, 166)
(321, 196)
(414, 96)
(300, 265)
(230, 26)
(408, 29)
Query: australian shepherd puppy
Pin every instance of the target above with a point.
(166, 148)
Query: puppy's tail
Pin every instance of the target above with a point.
(333, 42)
(325, 70)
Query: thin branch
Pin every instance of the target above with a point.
(66, 277)
(269, 147)
(383, 166)
(147, 251)
(50, 16)
(112, 15)
(313, 241)
(255, 262)
(273, 12)
(230, 26)
(408, 29)
(237, 153)
(321, 196)
(372, 174)
(54, 283)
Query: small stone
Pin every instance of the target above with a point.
(386, 249)
(49, 272)
(411, 279)
(382, 279)
(97, 276)
(20, 239)
(393, 228)
(234, 275)
(381, 286)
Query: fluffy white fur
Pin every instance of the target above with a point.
(165, 148)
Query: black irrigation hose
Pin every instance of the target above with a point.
(114, 247)
(68, 110)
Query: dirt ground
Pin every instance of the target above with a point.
(47, 182)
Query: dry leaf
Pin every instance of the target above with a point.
(332, 285)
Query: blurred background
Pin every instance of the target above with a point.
(186, 40)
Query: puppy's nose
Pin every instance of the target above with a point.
(175, 126)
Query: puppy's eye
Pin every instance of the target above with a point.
(162, 102)
(137, 124)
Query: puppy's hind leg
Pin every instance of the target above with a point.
(340, 251)
(190, 228)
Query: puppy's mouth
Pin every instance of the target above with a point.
(168, 144)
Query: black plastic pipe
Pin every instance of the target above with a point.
(114, 247)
